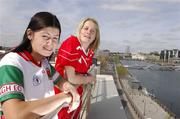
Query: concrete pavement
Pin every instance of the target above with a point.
(148, 107)
(106, 103)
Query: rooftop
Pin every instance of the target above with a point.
(106, 103)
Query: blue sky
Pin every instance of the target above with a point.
(143, 25)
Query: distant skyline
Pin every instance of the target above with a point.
(141, 25)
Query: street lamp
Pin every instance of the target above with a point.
(171, 106)
(144, 107)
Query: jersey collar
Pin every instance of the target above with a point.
(89, 51)
(28, 57)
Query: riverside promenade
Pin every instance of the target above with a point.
(140, 103)
(146, 107)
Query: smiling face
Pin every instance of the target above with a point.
(44, 41)
(88, 32)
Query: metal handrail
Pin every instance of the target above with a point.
(88, 88)
(84, 99)
(87, 96)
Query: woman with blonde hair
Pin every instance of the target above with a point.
(74, 58)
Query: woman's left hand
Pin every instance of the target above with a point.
(69, 88)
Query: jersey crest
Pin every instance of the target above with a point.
(36, 80)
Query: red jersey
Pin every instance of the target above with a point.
(72, 54)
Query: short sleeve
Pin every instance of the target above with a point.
(67, 55)
(11, 83)
(55, 76)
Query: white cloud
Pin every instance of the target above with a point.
(126, 7)
(170, 1)
(136, 23)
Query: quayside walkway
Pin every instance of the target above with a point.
(145, 105)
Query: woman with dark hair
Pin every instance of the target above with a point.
(27, 78)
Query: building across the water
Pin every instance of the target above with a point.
(172, 56)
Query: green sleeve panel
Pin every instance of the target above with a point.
(56, 77)
(11, 83)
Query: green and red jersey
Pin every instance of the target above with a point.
(22, 78)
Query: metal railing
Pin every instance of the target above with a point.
(86, 97)
(85, 101)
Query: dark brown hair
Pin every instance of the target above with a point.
(39, 21)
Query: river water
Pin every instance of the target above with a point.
(164, 84)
